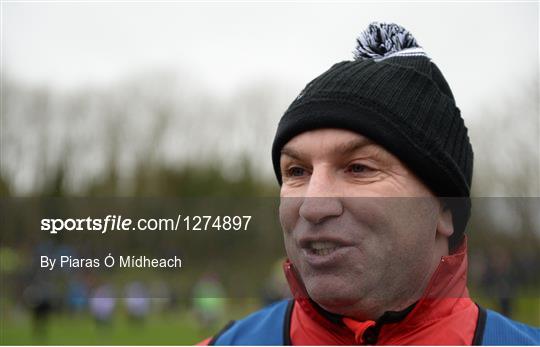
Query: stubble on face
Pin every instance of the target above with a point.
(382, 219)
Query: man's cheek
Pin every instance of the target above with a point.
(286, 224)
(290, 249)
(289, 213)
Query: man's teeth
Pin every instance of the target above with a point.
(323, 247)
(318, 245)
(325, 251)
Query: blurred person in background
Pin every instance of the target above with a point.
(137, 301)
(77, 294)
(102, 303)
(208, 300)
(40, 296)
(498, 279)
(375, 167)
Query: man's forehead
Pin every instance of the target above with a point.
(326, 141)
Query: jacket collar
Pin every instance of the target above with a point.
(447, 286)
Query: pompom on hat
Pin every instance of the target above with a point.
(383, 40)
(395, 95)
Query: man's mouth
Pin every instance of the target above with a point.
(322, 248)
(322, 251)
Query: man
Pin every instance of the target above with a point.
(375, 167)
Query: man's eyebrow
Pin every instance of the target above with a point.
(290, 152)
(341, 149)
(351, 146)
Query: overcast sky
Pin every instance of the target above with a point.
(485, 50)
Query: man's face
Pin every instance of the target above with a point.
(360, 228)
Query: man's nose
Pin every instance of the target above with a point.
(322, 198)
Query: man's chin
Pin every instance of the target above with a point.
(332, 296)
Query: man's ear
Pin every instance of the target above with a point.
(445, 226)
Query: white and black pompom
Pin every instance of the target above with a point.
(381, 40)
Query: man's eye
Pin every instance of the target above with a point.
(296, 171)
(359, 168)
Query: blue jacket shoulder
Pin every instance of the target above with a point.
(500, 331)
(264, 327)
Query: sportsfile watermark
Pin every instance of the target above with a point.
(240, 240)
(119, 223)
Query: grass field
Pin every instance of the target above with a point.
(173, 328)
(177, 326)
(169, 329)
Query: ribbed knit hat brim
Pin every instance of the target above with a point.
(398, 107)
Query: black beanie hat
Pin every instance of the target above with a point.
(395, 95)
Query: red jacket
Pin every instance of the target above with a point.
(445, 315)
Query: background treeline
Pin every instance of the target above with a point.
(159, 135)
